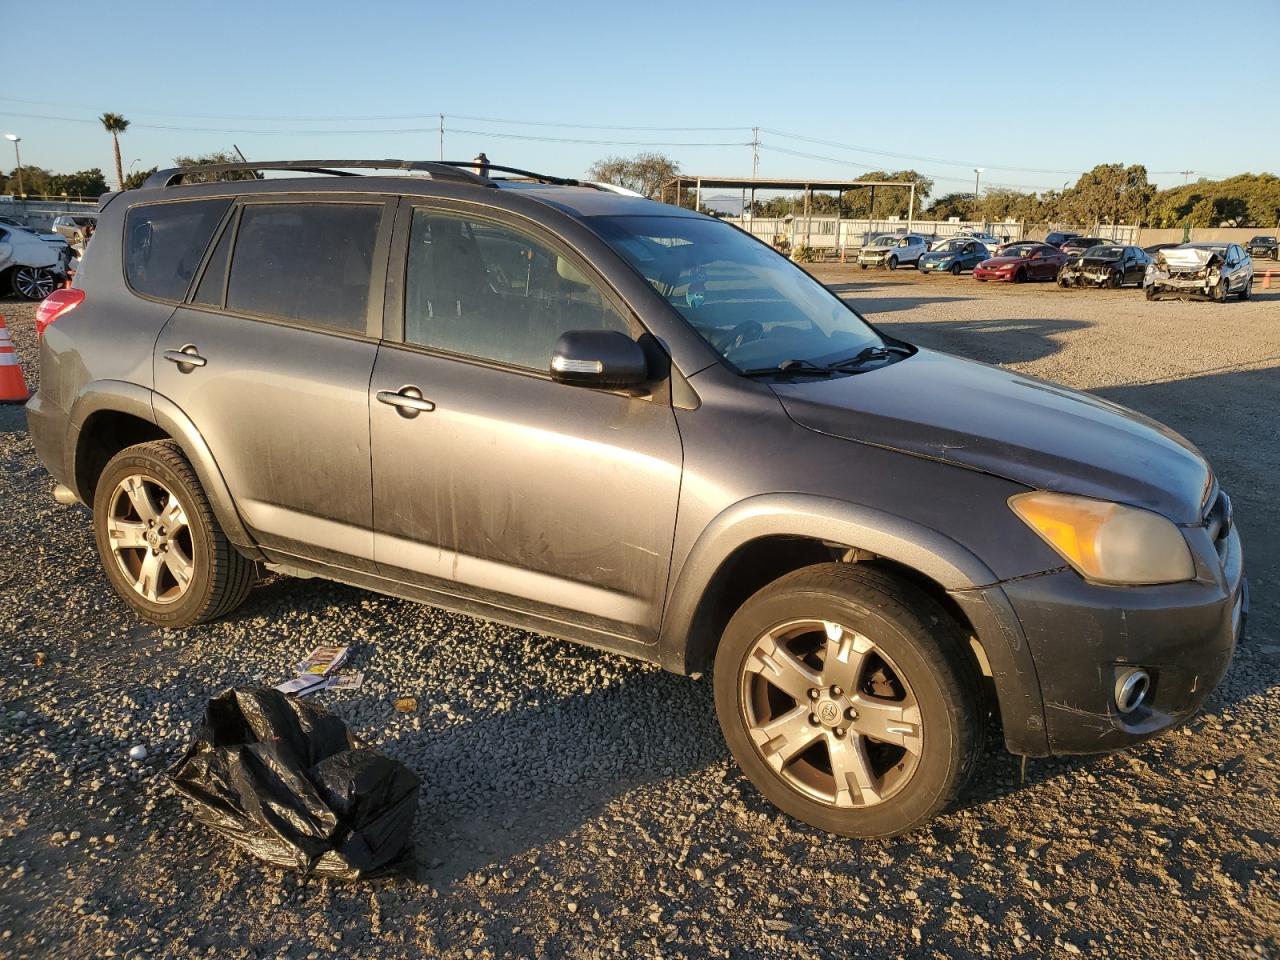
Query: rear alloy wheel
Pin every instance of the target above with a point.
(33, 283)
(159, 541)
(845, 696)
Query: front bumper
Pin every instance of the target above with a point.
(980, 274)
(1081, 636)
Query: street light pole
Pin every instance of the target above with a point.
(18, 156)
(977, 181)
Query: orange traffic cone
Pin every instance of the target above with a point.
(12, 387)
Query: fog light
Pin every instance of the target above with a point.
(1132, 687)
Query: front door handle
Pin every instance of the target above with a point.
(187, 359)
(408, 401)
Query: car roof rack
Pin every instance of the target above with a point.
(526, 174)
(452, 170)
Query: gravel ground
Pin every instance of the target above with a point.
(576, 804)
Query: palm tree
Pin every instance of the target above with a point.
(115, 125)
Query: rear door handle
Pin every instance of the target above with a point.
(188, 357)
(408, 401)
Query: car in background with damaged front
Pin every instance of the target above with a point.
(1106, 265)
(1202, 270)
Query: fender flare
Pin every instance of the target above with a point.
(931, 553)
(122, 397)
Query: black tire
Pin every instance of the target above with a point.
(863, 266)
(1245, 291)
(955, 269)
(1116, 280)
(1221, 290)
(921, 641)
(893, 263)
(1020, 276)
(1151, 292)
(77, 237)
(32, 283)
(221, 577)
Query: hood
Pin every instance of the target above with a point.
(939, 255)
(1002, 261)
(875, 249)
(1017, 427)
(1188, 258)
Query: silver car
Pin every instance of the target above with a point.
(893, 251)
(1215, 270)
(30, 266)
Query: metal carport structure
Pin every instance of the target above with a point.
(808, 185)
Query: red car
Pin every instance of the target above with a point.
(1022, 261)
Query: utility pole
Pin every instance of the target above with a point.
(755, 152)
(1185, 174)
(17, 156)
(442, 136)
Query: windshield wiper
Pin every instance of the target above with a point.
(848, 365)
(803, 367)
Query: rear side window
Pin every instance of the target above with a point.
(308, 262)
(164, 243)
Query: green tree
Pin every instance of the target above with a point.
(115, 124)
(217, 156)
(35, 181)
(1110, 192)
(136, 179)
(83, 183)
(952, 205)
(645, 173)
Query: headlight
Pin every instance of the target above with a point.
(1107, 542)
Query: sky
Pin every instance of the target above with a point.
(1033, 92)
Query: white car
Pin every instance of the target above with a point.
(30, 266)
(893, 250)
(987, 240)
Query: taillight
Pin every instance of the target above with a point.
(55, 305)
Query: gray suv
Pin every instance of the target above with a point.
(626, 424)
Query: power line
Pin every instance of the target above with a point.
(864, 166)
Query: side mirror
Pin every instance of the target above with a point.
(605, 359)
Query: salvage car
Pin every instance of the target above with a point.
(1077, 245)
(637, 427)
(1018, 262)
(75, 227)
(29, 266)
(1058, 237)
(1264, 247)
(954, 256)
(1106, 265)
(1214, 270)
(893, 251)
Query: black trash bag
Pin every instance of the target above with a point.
(287, 782)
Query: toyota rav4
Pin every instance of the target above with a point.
(580, 412)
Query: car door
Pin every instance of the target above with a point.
(492, 481)
(270, 358)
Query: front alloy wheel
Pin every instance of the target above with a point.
(33, 283)
(830, 713)
(847, 697)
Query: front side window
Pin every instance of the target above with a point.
(489, 291)
(306, 262)
(164, 243)
(755, 307)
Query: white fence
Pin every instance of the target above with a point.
(828, 233)
(41, 213)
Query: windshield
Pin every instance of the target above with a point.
(1018, 249)
(952, 246)
(888, 240)
(755, 307)
(1104, 253)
